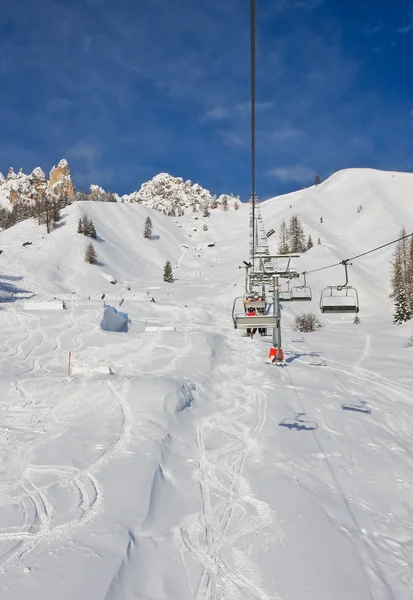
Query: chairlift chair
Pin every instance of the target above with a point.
(285, 295)
(259, 320)
(340, 298)
(301, 292)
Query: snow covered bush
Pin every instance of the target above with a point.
(306, 322)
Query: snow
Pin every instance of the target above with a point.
(45, 305)
(38, 173)
(178, 464)
(114, 320)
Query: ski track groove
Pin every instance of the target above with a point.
(205, 536)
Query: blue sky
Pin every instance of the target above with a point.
(125, 89)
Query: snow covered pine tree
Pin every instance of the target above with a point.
(147, 232)
(167, 273)
(402, 313)
(90, 254)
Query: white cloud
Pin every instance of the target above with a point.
(293, 173)
(286, 133)
(243, 109)
(409, 25)
(217, 113)
(82, 150)
(232, 138)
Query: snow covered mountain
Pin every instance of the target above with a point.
(29, 188)
(174, 462)
(173, 195)
(165, 193)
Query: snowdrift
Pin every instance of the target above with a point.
(114, 320)
(45, 305)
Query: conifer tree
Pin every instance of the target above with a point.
(90, 254)
(401, 313)
(92, 230)
(205, 212)
(283, 239)
(167, 273)
(317, 180)
(147, 232)
(225, 203)
(205, 227)
(86, 225)
(309, 243)
(319, 241)
(356, 320)
(410, 275)
(80, 226)
(296, 238)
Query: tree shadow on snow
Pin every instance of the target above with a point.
(299, 423)
(8, 291)
(59, 224)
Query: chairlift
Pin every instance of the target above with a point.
(301, 292)
(340, 298)
(285, 295)
(260, 320)
(256, 301)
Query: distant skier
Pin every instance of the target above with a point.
(153, 300)
(102, 296)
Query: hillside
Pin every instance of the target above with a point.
(174, 462)
(386, 208)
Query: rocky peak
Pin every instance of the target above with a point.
(60, 181)
(11, 174)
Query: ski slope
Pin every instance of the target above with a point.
(174, 463)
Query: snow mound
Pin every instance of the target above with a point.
(114, 320)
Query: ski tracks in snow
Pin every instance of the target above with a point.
(230, 511)
(43, 520)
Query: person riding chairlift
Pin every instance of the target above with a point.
(251, 313)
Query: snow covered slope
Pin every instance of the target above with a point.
(174, 463)
(385, 198)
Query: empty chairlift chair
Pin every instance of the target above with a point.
(284, 294)
(301, 292)
(340, 298)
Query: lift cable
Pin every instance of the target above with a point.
(252, 46)
(347, 260)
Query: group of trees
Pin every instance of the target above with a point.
(402, 279)
(98, 195)
(46, 210)
(87, 227)
(292, 238)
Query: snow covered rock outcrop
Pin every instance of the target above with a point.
(19, 187)
(172, 195)
(60, 181)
